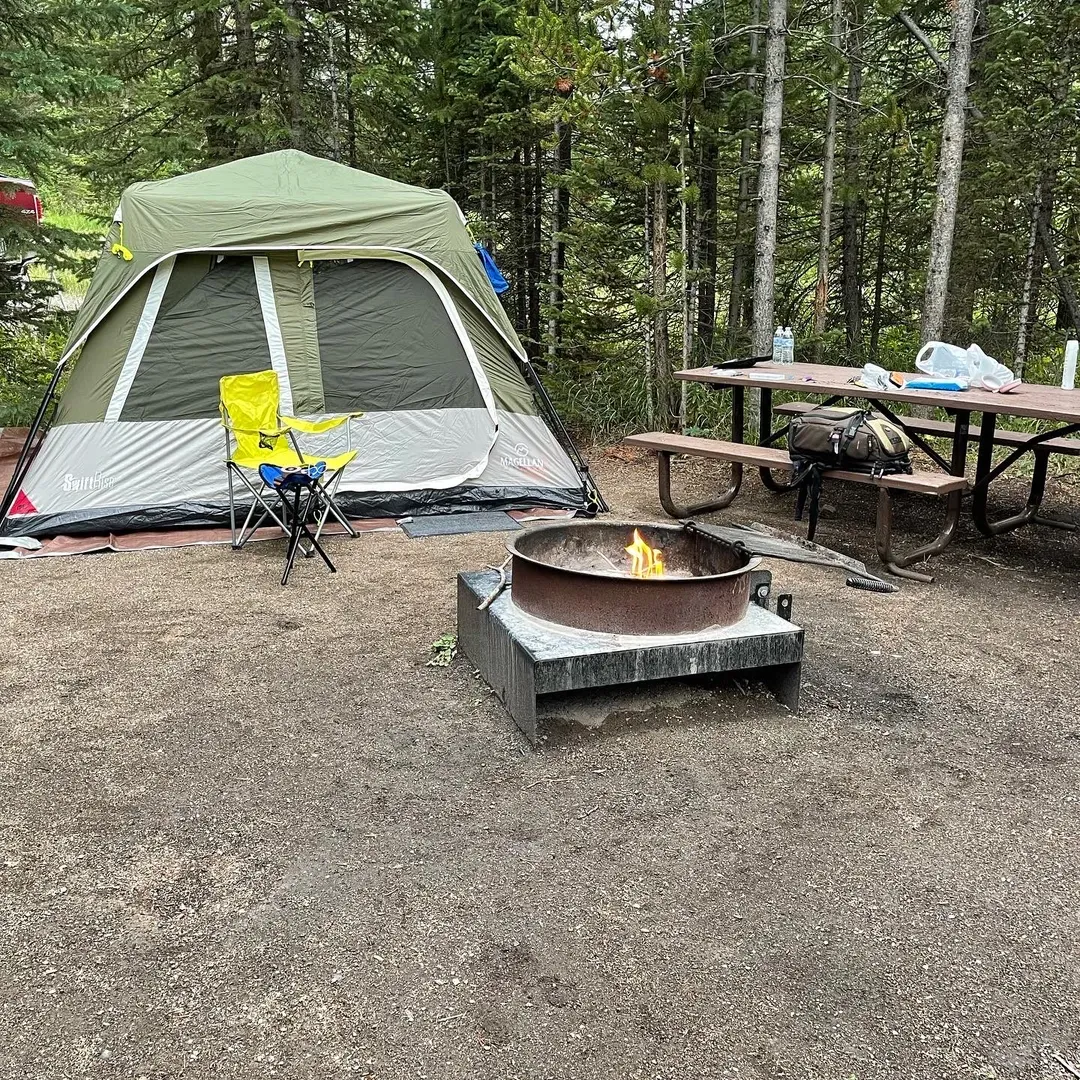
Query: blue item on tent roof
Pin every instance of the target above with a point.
(498, 282)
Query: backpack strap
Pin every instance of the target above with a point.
(808, 480)
(841, 438)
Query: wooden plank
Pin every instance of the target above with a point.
(766, 457)
(769, 457)
(945, 429)
(1028, 399)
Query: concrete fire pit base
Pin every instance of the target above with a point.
(524, 658)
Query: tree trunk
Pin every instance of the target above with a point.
(650, 363)
(245, 36)
(852, 217)
(350, 104)
(249, 139)
(481, 179)
(740, 261)
(662, 373)
(1042, 211)
(684, 235)
(1069, 308)
(206, 38)
(967, 249)
(518, 239)
(706, 246)
(772, 111)
(821, 290)
(294, 73)
(1029, 297)
(667, 408)
(564, 133)
(334, 76)
(534, 223)
(948, 180)
(883, 232)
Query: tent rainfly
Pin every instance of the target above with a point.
(360, 292)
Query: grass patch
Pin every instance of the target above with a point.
(93, 228)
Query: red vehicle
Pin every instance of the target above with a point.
(20, 213)
(20, 197)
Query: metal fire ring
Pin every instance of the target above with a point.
(573, 574)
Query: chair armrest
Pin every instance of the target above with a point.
(316, 427)
(272, 432)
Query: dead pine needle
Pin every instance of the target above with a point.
(994, 562)
(1071, 1069)
(547, 780)
(597, 551)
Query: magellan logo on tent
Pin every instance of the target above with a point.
(520, 459)
(87, 483)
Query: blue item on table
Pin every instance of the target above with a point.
(934, 384)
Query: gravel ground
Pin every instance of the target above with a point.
(248, 832)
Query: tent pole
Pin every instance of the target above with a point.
(554, 420)
(22, 463)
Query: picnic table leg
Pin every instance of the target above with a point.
(765, 438)
(1030, 514)
(961, 424)
(1038, 489)
(675, 510)
(738, 414)
(738, 427)
(898, 564)
(982, 473)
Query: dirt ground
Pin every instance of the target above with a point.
(248, 832)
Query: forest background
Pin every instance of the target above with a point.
(661, 183)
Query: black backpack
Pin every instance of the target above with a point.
(857, 440)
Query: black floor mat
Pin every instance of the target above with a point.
(459, 524)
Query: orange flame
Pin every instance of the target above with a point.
(645, 561)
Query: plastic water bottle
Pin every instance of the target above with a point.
(788, 351)
(1068, 374)
(778, 345)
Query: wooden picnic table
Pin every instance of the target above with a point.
(836, 383)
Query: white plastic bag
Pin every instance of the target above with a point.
(944, 361)
(874, 377)
(988, 374)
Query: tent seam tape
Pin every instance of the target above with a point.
(147, 319)
(272, 328)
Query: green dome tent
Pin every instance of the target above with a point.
(360, 292)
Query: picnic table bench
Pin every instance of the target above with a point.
(738, 454)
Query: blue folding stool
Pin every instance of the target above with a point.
(298, 488)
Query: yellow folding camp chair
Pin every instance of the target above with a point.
(251, 418)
